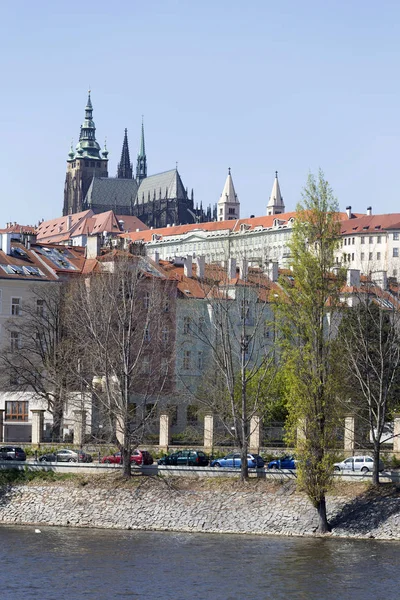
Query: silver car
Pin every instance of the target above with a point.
(363, 464)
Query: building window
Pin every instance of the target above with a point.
(146, 300)
(378, 239)
(370, 256)
(345, 241)
(395, 252)
(353, 241)
(15, 341)
(147, 334)
(186, 325)
(362, 255)
(166, 306)
(371, 239)
(352, 256)
(396, 236)
(40, 307)
(231, 211)
(202, 322)
(173, 415)
(165, 336)
(17, 410)
(150, 410)
(146, 365)
(186, 360)
(192, 415)
(394, 272)
(378, 256)
(200, 360)
(220, 211)
(362, 239)
(15, 306)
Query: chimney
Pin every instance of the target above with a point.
(243, 269)
(92, 246)
(380, 279)
(6, 243)
(272, 271)
(187, 266)
(348, 211)
(156, 256)
(200, 264)
(369, 211)
(353, 277)
(232, 268)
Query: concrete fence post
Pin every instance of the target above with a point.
(349, 433)
(396, 434)
(164, 431)
(255, 431)
(208, 432)
(2, 425)
(37, 426)
(79, 427)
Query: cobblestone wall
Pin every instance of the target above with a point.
(282, 512)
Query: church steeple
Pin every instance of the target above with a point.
(87, 145)
(141, 164)
(125, 169)
(275, 205)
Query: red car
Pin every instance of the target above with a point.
(139, 457)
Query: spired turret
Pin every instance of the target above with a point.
(275, 205)
(125, 169)
(141, 163)
(228, 204)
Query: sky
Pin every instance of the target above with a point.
(256, 86)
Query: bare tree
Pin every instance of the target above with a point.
(118, 318)
(369, 344)
(37, 355)
(231, 325)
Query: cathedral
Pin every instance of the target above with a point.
(157, 200)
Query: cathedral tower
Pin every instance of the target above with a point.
(84, 164)
(125, 169)
(141, 164)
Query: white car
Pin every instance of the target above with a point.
(363, 464)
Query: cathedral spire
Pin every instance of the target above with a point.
(87, 145)
(141, 164)
(125, 169)
(275, 205)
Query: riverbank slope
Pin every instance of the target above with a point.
(163, 504)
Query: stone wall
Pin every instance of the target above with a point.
(158, 506)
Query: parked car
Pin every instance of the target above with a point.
(286, 462)
(139, 457)
(233, 460)
(194, 458)
(66, 455)
(363, 464)
(12, 453)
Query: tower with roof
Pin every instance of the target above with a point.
(83, 164)
(275, 204)
(228, 204)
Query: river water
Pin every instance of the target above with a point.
(77, 564)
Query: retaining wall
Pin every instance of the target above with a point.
(156, 505)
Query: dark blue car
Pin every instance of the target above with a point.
(233, 460)
(287, 462)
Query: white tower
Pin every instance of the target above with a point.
(275, 205)
(228, 204)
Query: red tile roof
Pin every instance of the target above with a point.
(370, 223)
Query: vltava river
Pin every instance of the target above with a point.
(105, 565)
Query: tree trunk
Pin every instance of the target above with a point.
(58, 415)
(244, 468)
(375, 470)
(126, 457)
(323, 525)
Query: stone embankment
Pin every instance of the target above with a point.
(158, 505)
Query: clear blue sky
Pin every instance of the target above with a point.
(257, 86)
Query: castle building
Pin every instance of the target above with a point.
(157, 200)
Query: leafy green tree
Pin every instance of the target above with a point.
(306, 316)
